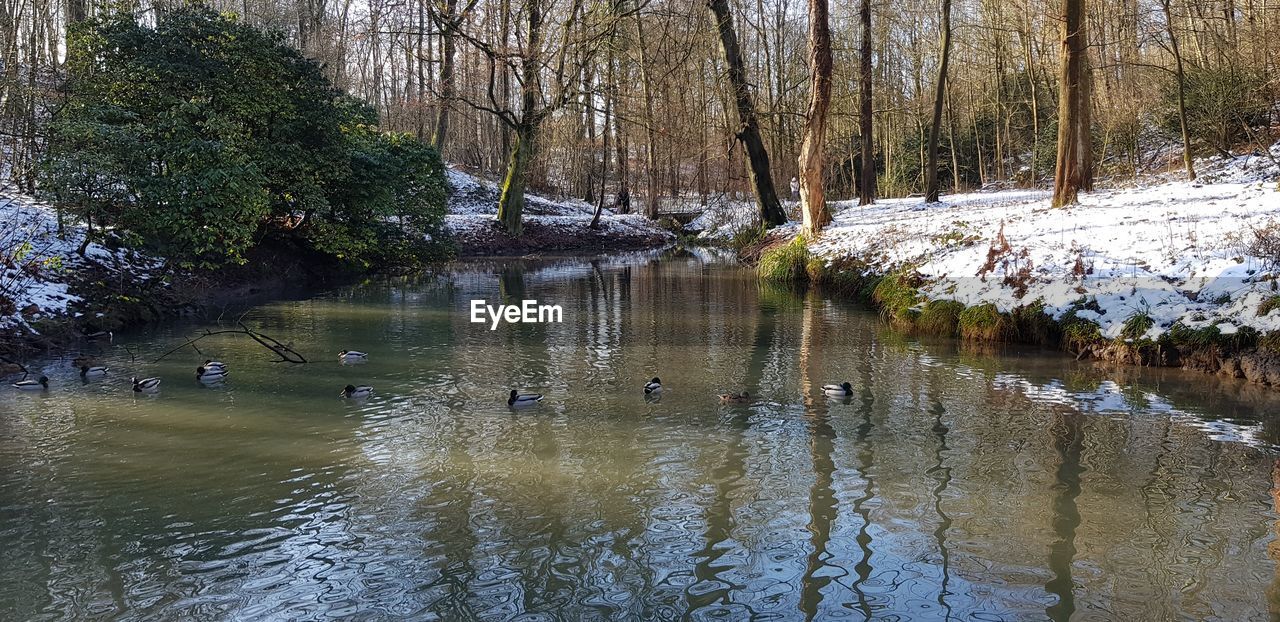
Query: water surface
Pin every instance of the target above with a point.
(963, 483)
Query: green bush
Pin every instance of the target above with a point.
(205, 136)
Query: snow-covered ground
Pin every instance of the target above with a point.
(1177, 251)
(36, 262)
(473, 208)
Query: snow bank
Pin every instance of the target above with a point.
(38, 265)
(548, 225)
(1176, 251)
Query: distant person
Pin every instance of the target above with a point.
(795, 189)
(622, 203)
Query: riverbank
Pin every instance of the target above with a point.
(550, 226)
(51, 295)
(1168, 273)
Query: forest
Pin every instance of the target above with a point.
(692, 102)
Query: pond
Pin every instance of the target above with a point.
(961, 482)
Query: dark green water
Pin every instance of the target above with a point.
(961, 483)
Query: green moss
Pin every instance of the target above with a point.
(1136, 326)
(940, 317)
(1269, 305)
(786, 263)
(985, 322)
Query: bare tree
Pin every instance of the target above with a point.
(867, 180)
(813, 206)
(1068, 172)
(939, 94)
(748, 132)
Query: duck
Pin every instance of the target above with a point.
(653, 386)
(96, 371)
(843, 389)
(523, 399)
(212, 364)
(735, 398)
(145, 385)
(352, 356)
(204, 374)
(42, 384)
(355, 392)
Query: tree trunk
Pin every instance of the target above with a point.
(813, 206)
(511, 203)
(650, 127)
(867, 182)
(771, 213)
(1067, 175)
(1180, 75)
(448, 24)
(931, 183)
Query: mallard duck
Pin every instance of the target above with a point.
(653, 386)
(351, 356)
(204, 374)
(353, 391)
(92, 372)
(40, 384)
(523, 399)
(211, 364)
(735, 398)
(145, 385)
(838, 390)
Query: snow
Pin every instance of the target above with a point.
(37, 263)
(1175, 250)
(473, 207)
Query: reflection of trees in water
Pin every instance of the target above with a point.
(942, 475)
(861, 505)
(1273, 547)
(822, 500)
(1067, 436)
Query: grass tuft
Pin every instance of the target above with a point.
(985, 322)
(785, 263)
(1136, 326)
(940, 317)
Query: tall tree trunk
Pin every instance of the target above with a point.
(771, 213)
(511, 203)
(1180, 75)
(1067, 174)
(940, 92)
(813, 205)
(867, 181)
(448, 25)
(650, 127)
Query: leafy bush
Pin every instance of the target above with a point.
(205, 136)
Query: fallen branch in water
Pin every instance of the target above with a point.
(285, 352)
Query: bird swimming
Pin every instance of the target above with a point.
(145, 385)
(352, 356)
(838, 390)
(735, 398)
(97, 371)
(353, 391)
(653, 386)
(523, 399)
(40, 384)
(204, 374)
